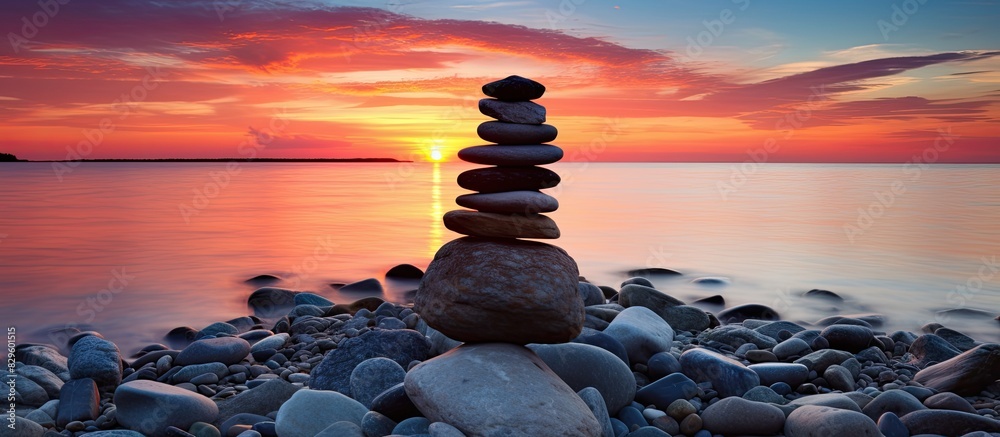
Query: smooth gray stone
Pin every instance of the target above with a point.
(817, 421)
(79, 401)
(372, 377)
(896, 401)
(513, 112)
(737, 416)
(98, 359)
(526, 155)
(342, 428)
(150, 407)
(582, 365)
(642, 332)
(460, 388)
(308, 412)
(595, 401)
(45, 379)
(509, 202)
(225, 350)
(728, 376)
(789, 373)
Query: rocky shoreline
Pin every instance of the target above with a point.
(340, 370)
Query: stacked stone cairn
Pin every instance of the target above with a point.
(496, 292)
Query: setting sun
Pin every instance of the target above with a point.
(436, 154)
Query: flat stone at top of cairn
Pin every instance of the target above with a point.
(514, 89)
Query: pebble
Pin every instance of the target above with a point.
(791, 347)
(308, 412)
(401, 346)
(373, 376)
(851, 338)
(737, 416)
(79, 400)
(376, 424)
(664, 391)
(789, 373)
(949, 401)
(839, 378)
(740, 313)
(603, 371)
(225, 350)
(728, 377)
(595, 401)
(691, 424)
(897, 401)
(642, 332)
(890, 426)
(819, 421)
(98, 359)
(150, 407)
(271, 301)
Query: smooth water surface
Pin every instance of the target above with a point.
(174, 241)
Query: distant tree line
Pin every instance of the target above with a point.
(7, 157)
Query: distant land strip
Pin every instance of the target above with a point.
(228, 160)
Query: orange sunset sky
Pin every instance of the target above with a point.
(850, 81)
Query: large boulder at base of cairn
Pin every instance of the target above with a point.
(503, 290)
(496, 389)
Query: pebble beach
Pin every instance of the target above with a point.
(506, 338)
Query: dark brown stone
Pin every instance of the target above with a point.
(492, 154)
(510, 202)
(490, 225)
(514, 88)
(516, 133)
(499, 179)
(503, 290)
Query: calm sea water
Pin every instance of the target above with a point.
(135, 249)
